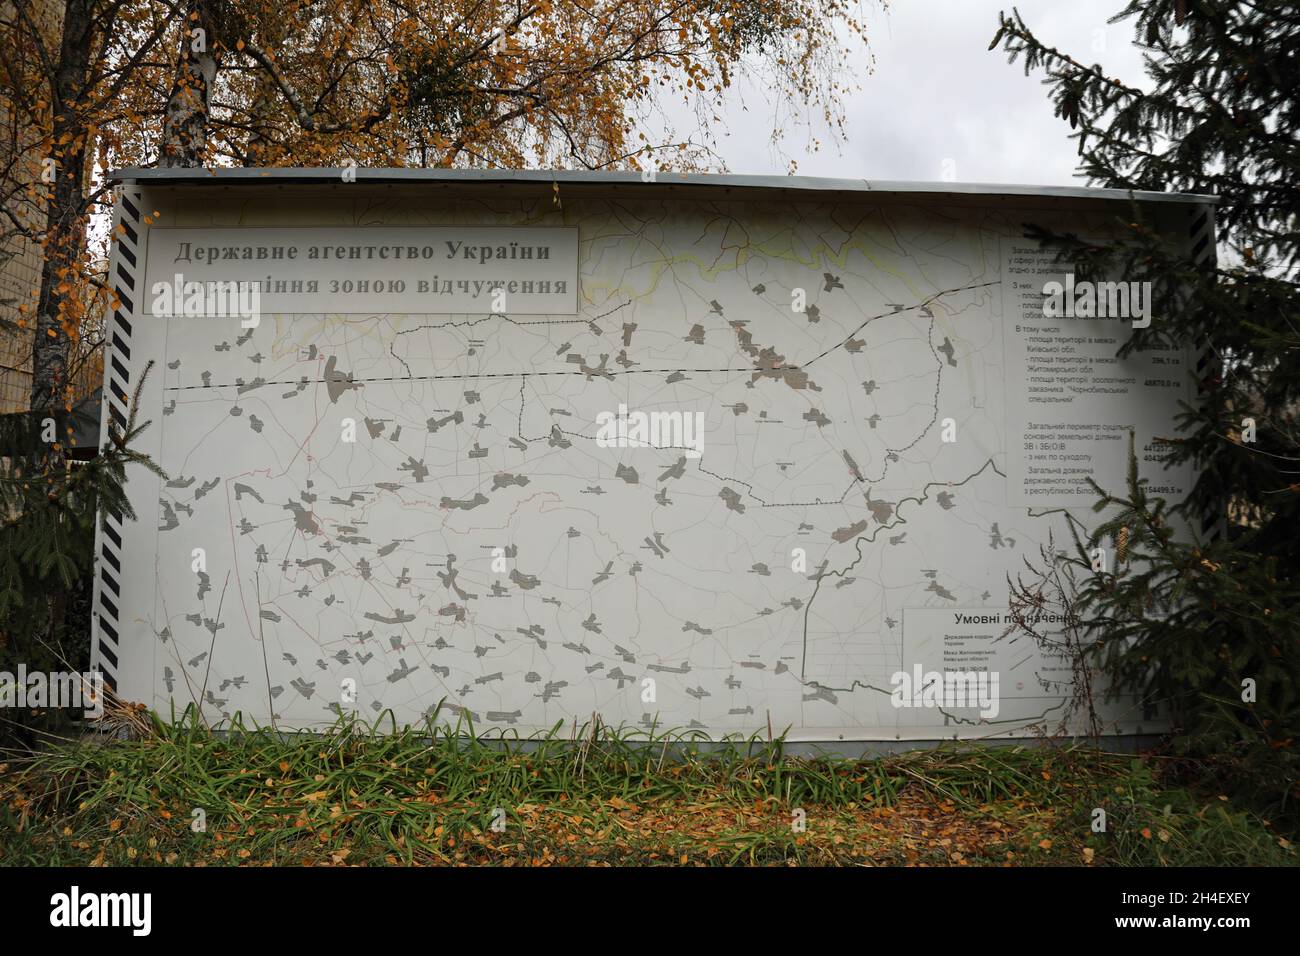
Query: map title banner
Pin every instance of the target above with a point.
(520, 270)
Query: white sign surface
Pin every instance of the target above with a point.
(737, 466)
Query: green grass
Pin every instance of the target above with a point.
(593, 795)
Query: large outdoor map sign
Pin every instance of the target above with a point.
(701, 452)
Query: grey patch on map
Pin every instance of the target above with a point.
(503, 716)
(419, 471)
(882, 511)
(692, 626)
(506, 479)
(821, 693)
(303, 520)
(206, 487)
(535, 632)
(685, 668)
(478, 451)
(255, 423)
(599, 371)
(813, 313)
(661, 497)
(557, 439)
(254, 384)
(695, 335)
(675, 471)
(242, 489)
(732, 498)
(180, 482)
(943, 592)
(399, 617)
(760, 568)
(454, 709)
(303, 687)
(948, 350)
(169, 679)
(170, 520)
(525, 581)
(402, 671)
(591, 624)
(945, 500)
(699, 693)
(205, 584)
(336, 382)
(434, 424)
(627, 473)
(675, 377)
(373, 427)
(324, 565)
(842, 535)
(853, 466)
(657, 546)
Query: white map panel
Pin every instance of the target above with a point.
(475, 547)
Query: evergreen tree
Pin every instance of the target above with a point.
(48, 514)
(1207, 622)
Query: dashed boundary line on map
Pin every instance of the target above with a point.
(606, 373)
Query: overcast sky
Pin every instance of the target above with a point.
(938, 93)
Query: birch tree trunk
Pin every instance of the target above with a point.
(65, 211)
(185, 123)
